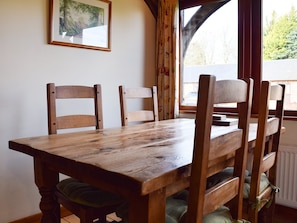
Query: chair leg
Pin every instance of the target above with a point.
(267, 213)
(253, 215)
(270, 213)
(86, 218)
(102, 218)
(262, 215)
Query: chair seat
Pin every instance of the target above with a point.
(219, 177)
(264, 183)
(176, 210)
(87, 195)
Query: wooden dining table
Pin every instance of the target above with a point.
(144, 163)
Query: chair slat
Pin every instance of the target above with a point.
(268, 161)
(138, 116)
(76, 121)
(74, 92)
(229, 187)
(222, 146)
(230, 91)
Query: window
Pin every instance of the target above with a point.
(212, 48)
(280, 51)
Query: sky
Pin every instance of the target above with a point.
(281, 6)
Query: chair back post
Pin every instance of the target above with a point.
(279, 97)
(201, 140)
(244, 114)
(279, 113)
(123, 105)
(98, 106)
(51, 108)
(155, 103)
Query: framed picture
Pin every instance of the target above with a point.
(81, 23)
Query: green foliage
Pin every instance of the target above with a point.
(76, 16)
(195, 55)
(292, 45)
(280, 37)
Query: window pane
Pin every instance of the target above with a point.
(280, 46)
(212, 50)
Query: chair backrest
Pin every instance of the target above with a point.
(142, 93)
(210, 149)
(267, 141)
(55, 93)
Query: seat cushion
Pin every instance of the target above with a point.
(176, 210)
(264, 182)
(85, 194)
(176, 207)
(213, 180)
(219, 177)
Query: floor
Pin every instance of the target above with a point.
(74, 219)
(282, 215)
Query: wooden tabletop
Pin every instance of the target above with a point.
(139, 153)
(133, 161)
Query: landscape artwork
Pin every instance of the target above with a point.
(76, 16)
(81, 23)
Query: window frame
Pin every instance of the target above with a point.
(249, 52)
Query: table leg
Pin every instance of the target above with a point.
(46, 181)
(149, 208)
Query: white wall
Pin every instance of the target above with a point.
(27, 63)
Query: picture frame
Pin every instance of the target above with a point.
(80, 23)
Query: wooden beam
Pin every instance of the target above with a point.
(183, 4)
(153, 6)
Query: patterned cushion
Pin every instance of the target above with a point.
(176, 210)
(219, 177)
(264, 182)
(85, 194)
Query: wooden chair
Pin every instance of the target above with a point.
(74, 195)
(211, 154)
(140, 115)
(262, 179)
